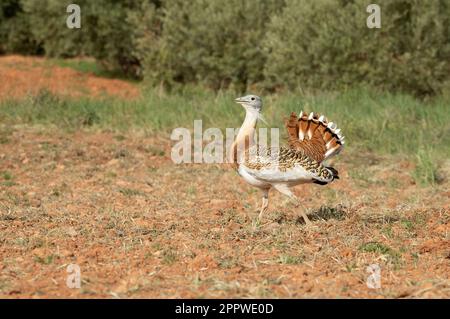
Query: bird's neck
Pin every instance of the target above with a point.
(245, 137)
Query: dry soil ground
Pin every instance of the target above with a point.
(139, 226)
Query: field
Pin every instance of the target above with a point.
(86, 178)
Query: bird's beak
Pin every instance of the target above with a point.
(239, 100)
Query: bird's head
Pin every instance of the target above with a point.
(252, 105)
(250, 102)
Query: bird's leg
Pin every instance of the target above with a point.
(286, 191)
(265, 203)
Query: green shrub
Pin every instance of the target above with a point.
(15, 30)
(47, 19)
(217, 43)
(113, 35)
(326, 44)
(146, 23)
(108, 32)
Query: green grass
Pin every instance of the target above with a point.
(130, 192)
(6, 179)
(290, 260)
(373, 122)
(379, 248)
(426, 170)
(169, 257)
(87, 65)
(6, 176)
(45, 260)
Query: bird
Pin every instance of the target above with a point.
(312, 139)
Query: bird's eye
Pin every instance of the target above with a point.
(253, 98)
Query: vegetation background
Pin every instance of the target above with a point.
(273, 44)
(86, 177)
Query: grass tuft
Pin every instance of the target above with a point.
(291, 260)
(426, 170)
(130, 192)
(381, 249)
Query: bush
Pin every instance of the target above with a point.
(48, 21)
(217, 43)
(326, 44)
(15, 30)
(113, 34)
(106, 31)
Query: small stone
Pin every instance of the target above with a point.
(112, 162)
(71, 231)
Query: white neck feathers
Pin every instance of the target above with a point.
(246, 136)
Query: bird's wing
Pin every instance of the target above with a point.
(283, 164)
(314, 136)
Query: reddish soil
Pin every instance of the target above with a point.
(21, 76)
(140, 226)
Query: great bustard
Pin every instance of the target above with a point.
(312, 140)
